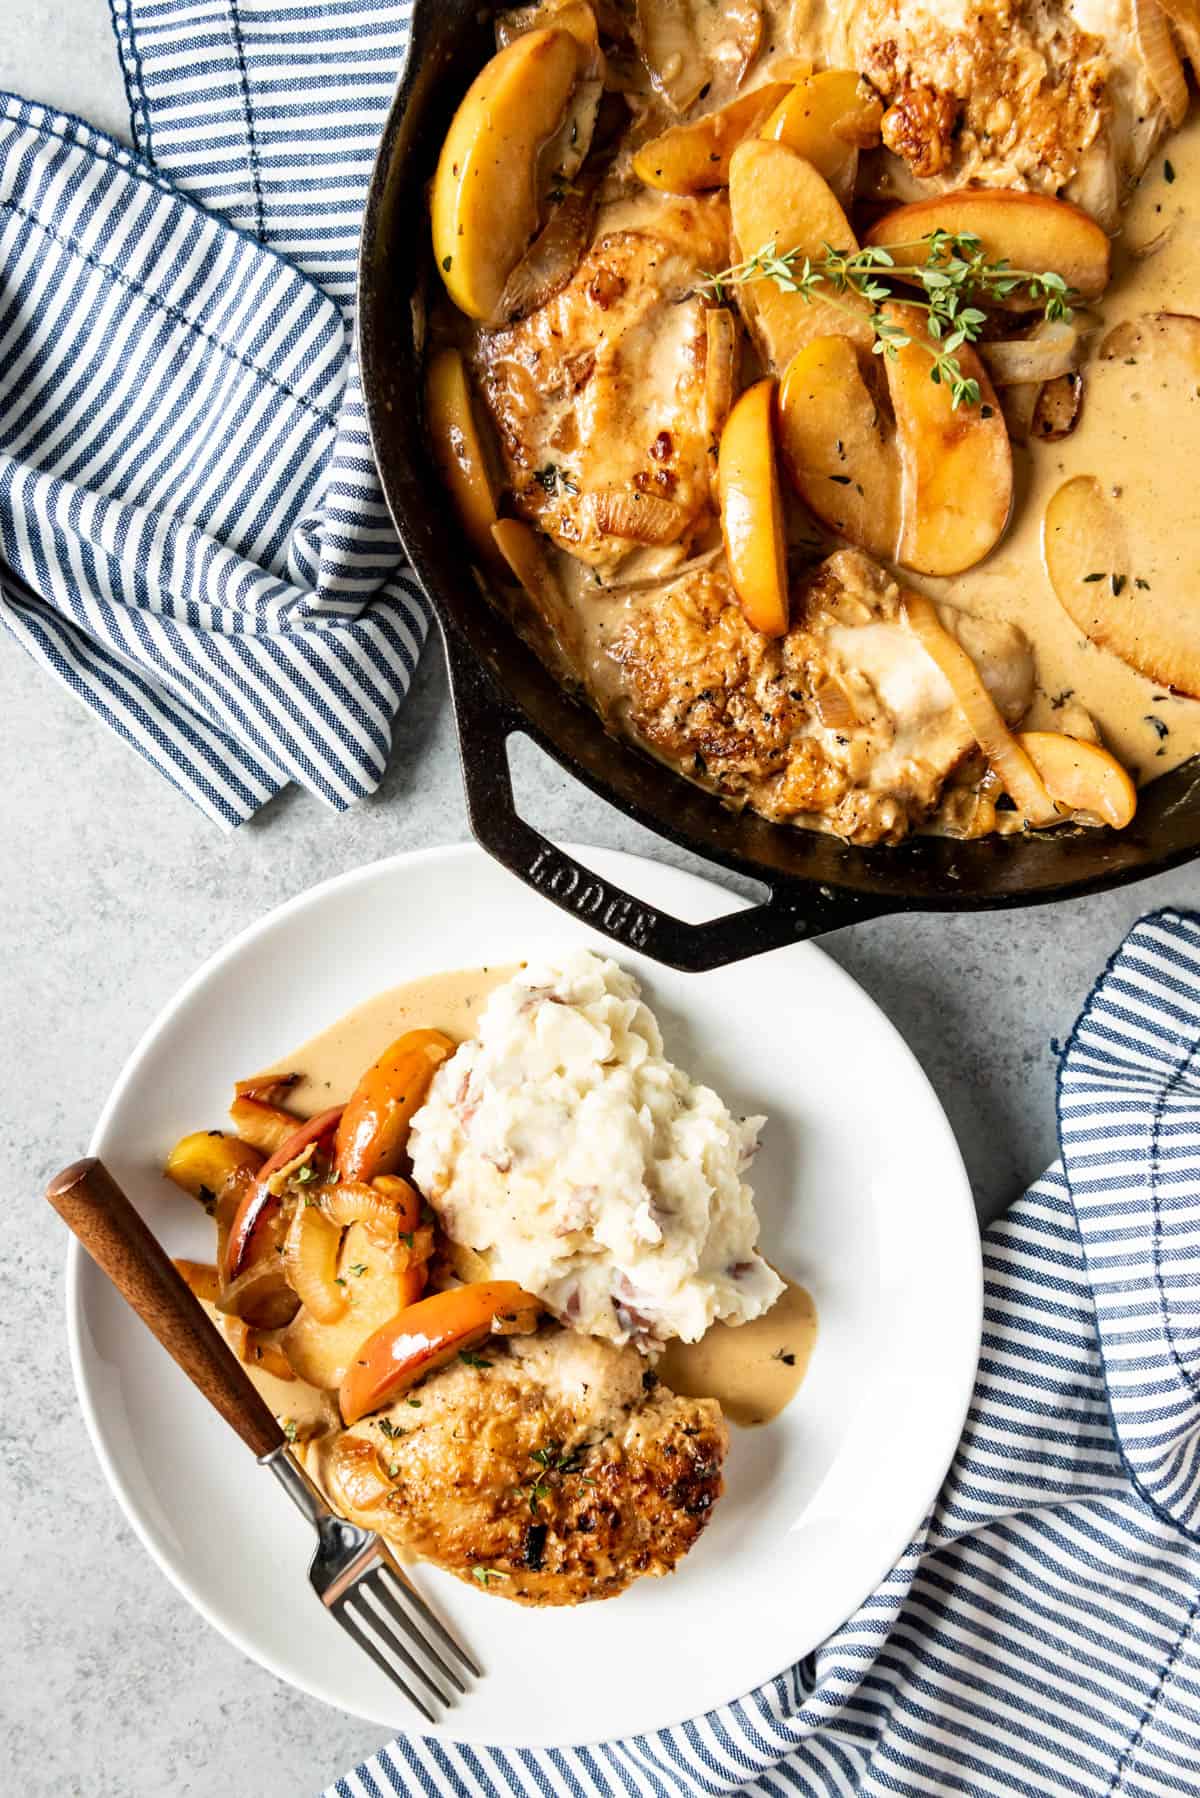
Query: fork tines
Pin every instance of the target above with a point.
(376, 1608)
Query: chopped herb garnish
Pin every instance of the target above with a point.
(1168, 172)
(446, 261)
(406, 1237)
(390, 1430)
(1088, 578)
(359, 1269)
(786, 1356)
(485, 1575)
(1118, 581)
(473, 1360)
(1144, 585)
(207, 1196)
(1164, 730)
(412, 1401)
(843, 480)
(289, 1428)
(553, 481)
(956, 270)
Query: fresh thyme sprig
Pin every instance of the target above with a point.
(956, 270)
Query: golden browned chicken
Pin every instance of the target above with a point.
(550, 1469)
(1052, 95)
(599, 396)
(846, 720)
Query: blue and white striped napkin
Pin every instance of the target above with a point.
(1039, 1636)
(192, 536)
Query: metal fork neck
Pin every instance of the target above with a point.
(303, 1492)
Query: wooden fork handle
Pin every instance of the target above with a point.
(88, 1199)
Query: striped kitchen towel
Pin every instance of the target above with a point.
(192, 536)
(1039, 1636)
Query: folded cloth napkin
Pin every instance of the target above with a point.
(192, 535)
(1039, 1635)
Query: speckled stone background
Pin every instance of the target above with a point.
(114, 890)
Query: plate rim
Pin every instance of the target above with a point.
(76, 1264)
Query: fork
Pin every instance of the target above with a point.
(353, 1572)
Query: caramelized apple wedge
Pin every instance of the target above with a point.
(1083, 778)
(688, 159)
(1029, 231)
(955, 462)
(837, 447)
(827, 120)
(423, 1337)
(485, 201)
(377, 1283)
(254, 1232)
(1143, 606)
(458, 450)
(752, 511)
(373, 1132)
(777, 198)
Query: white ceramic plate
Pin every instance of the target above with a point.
(862, 1196)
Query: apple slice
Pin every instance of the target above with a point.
(955, 463)
(838, 453)
(484, 203)
(1029, 231)
(827, 120)
(255, 1227)
(1082, 777)
(752, 511)
(373, 1133)
(1150, 619)
(377, 1284)
(423, 1337)
(687, 159)
(458, 450)
(777, 198)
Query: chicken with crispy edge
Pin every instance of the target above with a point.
(552, 1469)
(1051, 95)
(845, 720)
(599, 396)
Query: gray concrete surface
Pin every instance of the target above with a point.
(114, 890)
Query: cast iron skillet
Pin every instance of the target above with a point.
(816, 883)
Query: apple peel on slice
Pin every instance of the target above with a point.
(752, 511)
(424, 1337)
(827, 119)
(1028, 231)
(484, 201)
(372, 1135)
(253, 1232)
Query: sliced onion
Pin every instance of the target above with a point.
(1051, 350)
(389, 1206)
(834, 706)
(261, 1295)
(1019, 404)
(647, 579)
(355, 1475)
(202, 1278)
(550, 260)
(310, 1257)
(574, 16)
(1022, 782)
(524, 551)
(1158, 53)
(682, 58)
(636, 517)
(261, 1123)
(253, 1349)
(720, 371)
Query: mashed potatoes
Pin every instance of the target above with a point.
(563, 1147)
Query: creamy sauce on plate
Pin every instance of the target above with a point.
(754, 1370)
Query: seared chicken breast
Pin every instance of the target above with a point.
(845, 721)
(1051, 95)
(599, 396)
(550, 1469)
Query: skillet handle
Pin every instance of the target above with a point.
(485, 723)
